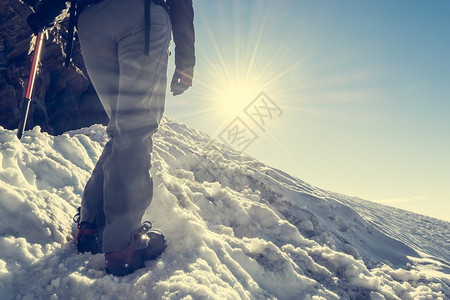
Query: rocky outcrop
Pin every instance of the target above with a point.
(63, 98)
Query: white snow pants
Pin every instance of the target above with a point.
(131, 87)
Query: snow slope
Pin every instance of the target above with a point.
(236, 229)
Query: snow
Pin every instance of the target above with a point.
(236, 229)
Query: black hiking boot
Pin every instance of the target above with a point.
(145, 245)
(86, 237)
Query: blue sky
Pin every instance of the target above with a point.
(363, 87)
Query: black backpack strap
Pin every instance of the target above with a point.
(72, 21)
(76, 6)
(74, 12)
(164, 5)
(148, 21)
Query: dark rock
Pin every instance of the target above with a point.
(63, 98)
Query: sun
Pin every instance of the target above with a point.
(233, 98)
(235, 67)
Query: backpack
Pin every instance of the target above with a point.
(76, 7)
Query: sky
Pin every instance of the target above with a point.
(349, 96)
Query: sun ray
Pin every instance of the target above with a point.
(216, 47)
(239, 66)
(253, 56)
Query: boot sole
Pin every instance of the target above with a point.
(88, 243)
(155, 248)
(116, 267)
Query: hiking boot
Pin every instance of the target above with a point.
(145, 245)
(86, 237)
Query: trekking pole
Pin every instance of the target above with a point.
(27, 100)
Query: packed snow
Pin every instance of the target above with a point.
(236, 229)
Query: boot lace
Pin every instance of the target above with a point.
(76, 218)
(145, 227)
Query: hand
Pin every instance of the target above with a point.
(36, 23)
(181, 81)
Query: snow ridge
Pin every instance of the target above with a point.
(236, 229)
